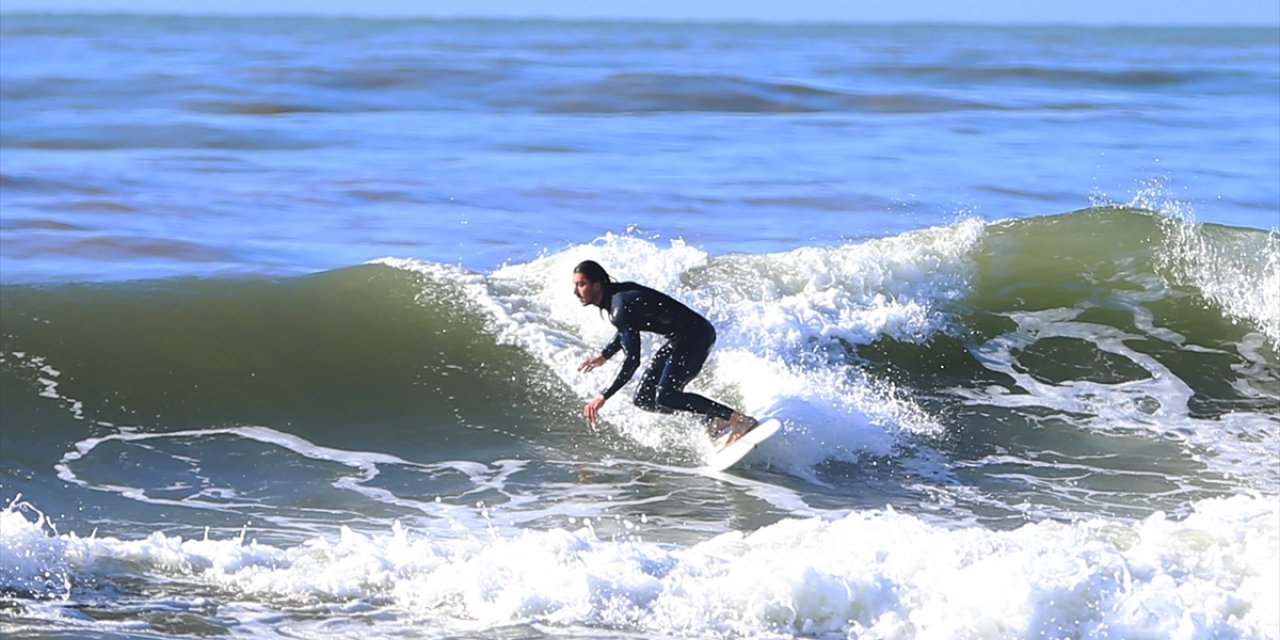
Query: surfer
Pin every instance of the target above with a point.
(634, 308)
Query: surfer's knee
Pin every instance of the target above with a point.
(668, 399)
(648, 403)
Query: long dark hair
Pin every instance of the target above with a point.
(593, 271)
(596, 274)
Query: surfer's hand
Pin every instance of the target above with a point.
(592, 411)
(591, 362)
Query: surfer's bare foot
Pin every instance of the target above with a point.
(717, 427)
(740, 424)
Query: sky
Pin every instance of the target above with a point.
(1092, 12)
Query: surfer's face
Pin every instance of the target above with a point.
(588, 292)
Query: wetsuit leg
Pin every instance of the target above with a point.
(687, 354)
(647, 393)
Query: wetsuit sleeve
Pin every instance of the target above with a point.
(629, 341)
(614, 345)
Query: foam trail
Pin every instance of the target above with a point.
(220, 493)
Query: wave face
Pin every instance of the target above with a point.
(1070, 410)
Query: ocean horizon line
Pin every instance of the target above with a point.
(322, 15)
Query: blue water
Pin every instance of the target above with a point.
(287, 339)
(148, 147)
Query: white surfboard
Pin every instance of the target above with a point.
(725, 456)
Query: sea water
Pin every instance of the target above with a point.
(288, 342)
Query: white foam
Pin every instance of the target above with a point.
(1237, 271)
(1215, 573)
(220, 494)
(366, 463)
(1243, 444)
(47, 377)
(1240, 277)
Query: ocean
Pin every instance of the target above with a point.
(288, 337)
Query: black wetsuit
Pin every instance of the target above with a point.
(634, 308)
